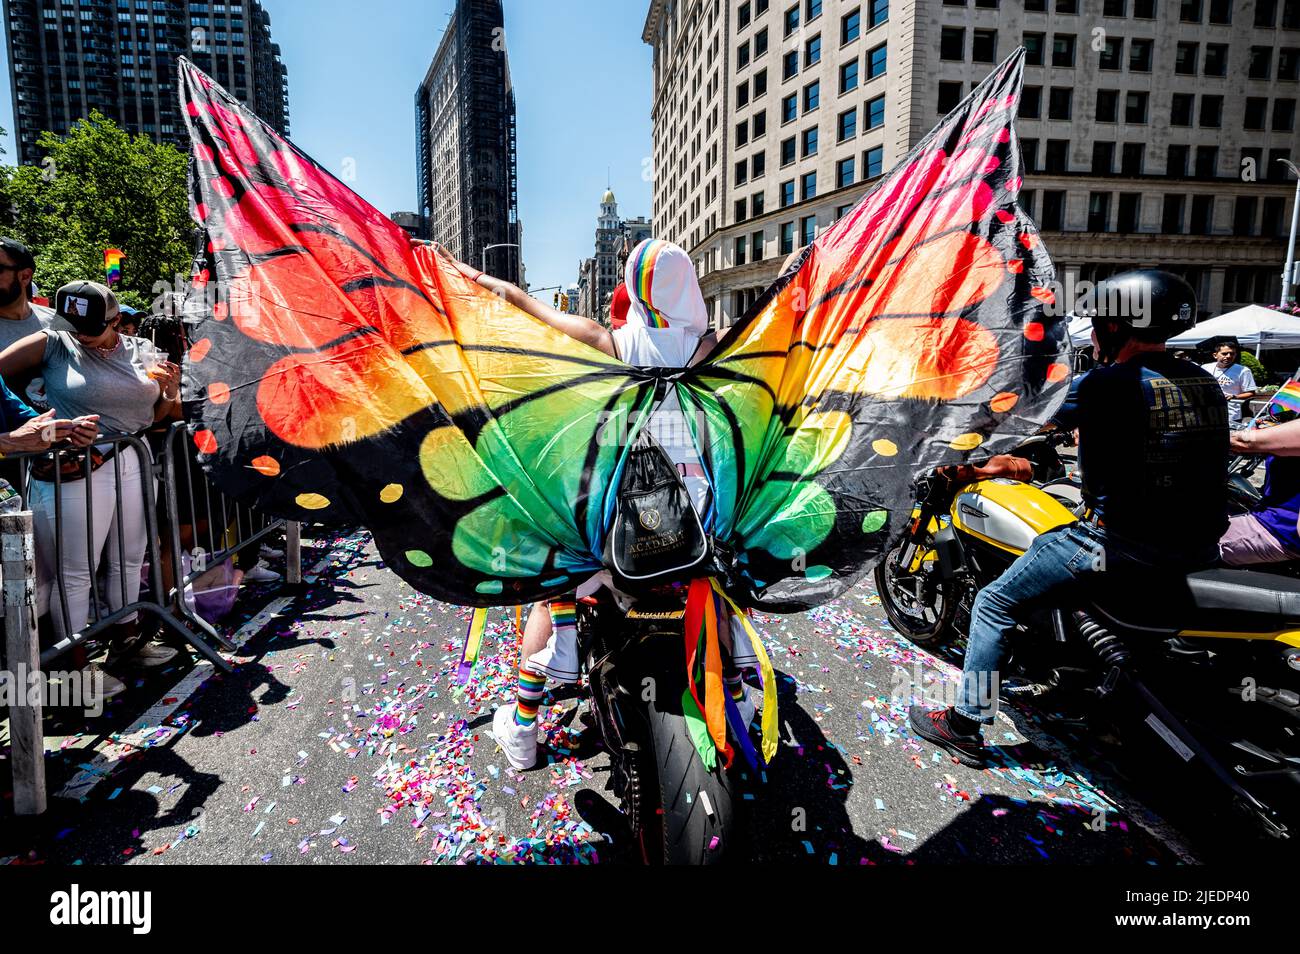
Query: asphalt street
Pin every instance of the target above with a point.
(343, 738)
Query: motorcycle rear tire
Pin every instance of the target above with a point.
(698, 824)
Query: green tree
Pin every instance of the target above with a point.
(98, 188)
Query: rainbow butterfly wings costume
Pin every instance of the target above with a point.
(341, 373)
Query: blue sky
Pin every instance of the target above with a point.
(582, 86)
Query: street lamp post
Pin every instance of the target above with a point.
(1295, 221)
(488, 248)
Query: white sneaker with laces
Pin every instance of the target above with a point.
(518, 742)
(143, 655)
(261, 573)
(270, 553)
(109, 687)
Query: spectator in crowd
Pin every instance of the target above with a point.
(19, 317)
(130, 322)
(97, 369)
(1236, 380)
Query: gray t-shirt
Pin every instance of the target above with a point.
(80, 380)
(38, 319)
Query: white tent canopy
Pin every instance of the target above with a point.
(1255, 326)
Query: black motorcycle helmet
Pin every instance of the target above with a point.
(1146, 304)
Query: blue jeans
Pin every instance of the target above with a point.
(1059, 569)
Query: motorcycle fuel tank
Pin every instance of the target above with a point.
(1007, 513)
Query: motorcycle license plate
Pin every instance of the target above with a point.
(656, 614)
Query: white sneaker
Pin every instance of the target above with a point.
(143, 655)
(110, 687)
(261, 573)
(518, 742)
(269, 552)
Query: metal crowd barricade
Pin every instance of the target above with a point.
(212, 517)
(224, 525)
(152, 600)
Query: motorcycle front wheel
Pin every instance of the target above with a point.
(919, 606)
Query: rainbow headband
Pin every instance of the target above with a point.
(642, 277)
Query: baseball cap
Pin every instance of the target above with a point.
(18, 252)
(87, 306)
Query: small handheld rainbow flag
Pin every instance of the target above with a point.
(113, 264)
(1287, 398)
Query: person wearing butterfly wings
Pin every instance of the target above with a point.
(667, 327)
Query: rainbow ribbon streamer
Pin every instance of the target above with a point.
(473, 643)
(113, 264)
(1287, 398)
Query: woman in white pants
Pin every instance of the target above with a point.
(95, 369)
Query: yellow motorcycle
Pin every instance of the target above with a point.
(1209, 663)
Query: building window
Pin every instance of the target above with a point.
(1103, 158)
(876, 61)
(850, 27)
(760, 42)
(1283, 115)
(1176, 160)
(1144, 9)
(787, 193)
(1139, 56)
(812, 94)
(1216, 59)
(789, 108)
(1202, 215)
(1053, 210)
(1185, 58)
(873, 162)
(949, 96)
(813, 9)
(740, 211)
(1190, 11)
(1130, 212)
(1288, 63)
(742, 55)
(808, 186)
(807, 229)
(849, 76)
(844, 173)
(756, 204)
(792, 19)
(739, 252)
(1031, 102)
(812, 52)
(742, 95)
(759, 124)
(1059, 102)
(1171, 216)
(952, 44)
(1265, 14)
(1115, 8)
(1211, 112)
(743, 16)
(742, 172)
(879, 13)
(1243, 215)
(1135, 107)
(984, 46)
(810, 142)
(1057, 157)
(756, 241)
(758, 165)
(787, 238)
(1207, 162)
(790, 65)
(1063, 49)
(1112, 54)
(1180, 111)
(788, 151)
(1261, 62)
(875, 112)
(742, 132)
(760, 83)
(1099, 212)
(1107, 105)
(847, 125)
(1033, 44)
(1029, 154)
(1131, 159)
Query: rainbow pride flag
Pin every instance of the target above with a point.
(1287, 398)
(113, 264)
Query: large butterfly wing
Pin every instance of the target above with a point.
(341, 373)
(911, 333)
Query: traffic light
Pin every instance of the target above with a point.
(564, 303)
(557, 300)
